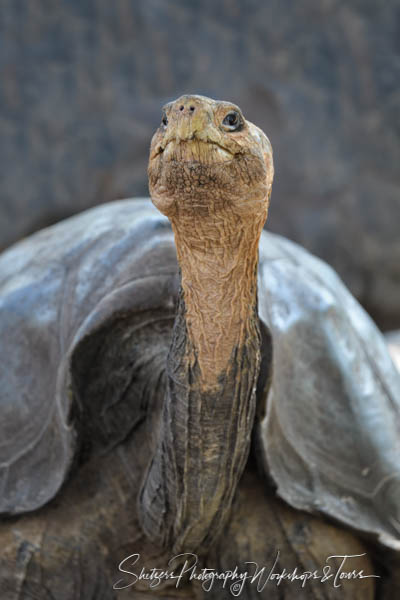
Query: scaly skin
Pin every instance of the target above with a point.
(214, 185)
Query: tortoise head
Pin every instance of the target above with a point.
(206, 158)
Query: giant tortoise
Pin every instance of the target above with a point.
(181, 390)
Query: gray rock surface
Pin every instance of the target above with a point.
(83, 82)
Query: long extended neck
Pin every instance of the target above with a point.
(209, 406)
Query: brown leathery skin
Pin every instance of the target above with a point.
(217, 207)
(214, 185)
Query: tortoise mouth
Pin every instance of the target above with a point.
(193, 150)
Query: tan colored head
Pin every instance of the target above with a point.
(206, 158)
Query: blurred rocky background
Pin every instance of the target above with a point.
(83, 81)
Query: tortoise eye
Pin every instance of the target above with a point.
(164, 120)
(232, 121)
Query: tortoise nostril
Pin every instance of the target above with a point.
(192, 108)
(181, 107)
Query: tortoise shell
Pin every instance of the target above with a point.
(79, 299)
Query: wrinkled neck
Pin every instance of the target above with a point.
(218, 262)
(209, 407)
